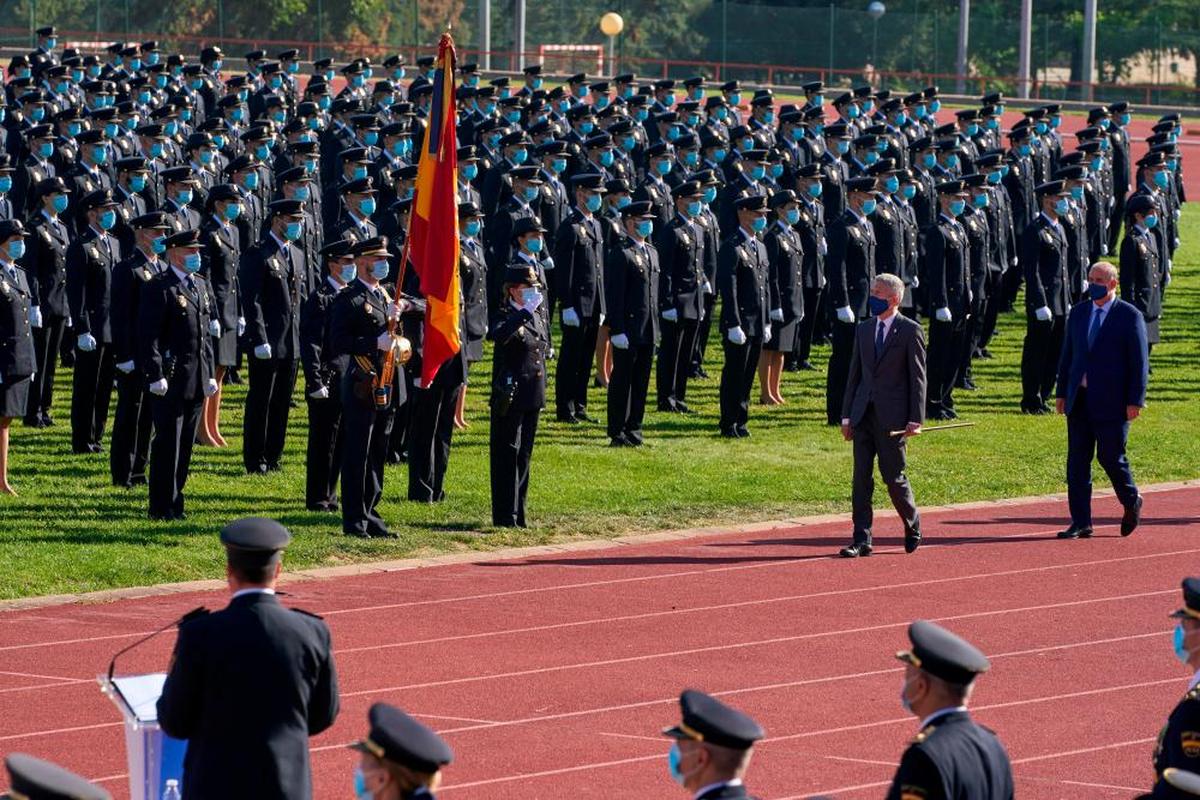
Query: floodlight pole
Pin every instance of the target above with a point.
(964, 26)
(485, 34)
(519, 33)
(1024, 49)
(1087, 73)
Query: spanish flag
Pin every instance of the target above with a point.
(433, 226)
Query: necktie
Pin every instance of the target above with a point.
(1095, 328)
(880, 331)
(190, 284)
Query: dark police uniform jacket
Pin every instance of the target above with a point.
(472, 271)
(221, 254)
(129, 277)
(519, 361)
(786, 257)
(850, 263)
(247, 686)
(16, 345)
(173, 339)
(46, 257)
(1044, 259)
(321, 370)
(90, 260)
(1178, 746)
(357, 317)
(742, 274)
(681, 250)
(953, 758)
(1140, 277)
(579, 265)
(631, 277)
(271, 280)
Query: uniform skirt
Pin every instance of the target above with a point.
(783, 337)
(474, 350)
(14, 396)
(225, 348)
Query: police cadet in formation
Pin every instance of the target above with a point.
(1140, 267)
(18, 316)
(682, 248)
(46, 262)
(952, 757)
(473, 275)
(1043, 258)
(811, 227)
(712, 749)
(360, 336)
(948, 291)
(254, 653)
(785, 279)
(401, 758)
(32, 778)
(743, 273)
(632, 276)
(175, 358)
(521, 339)
(220, 261)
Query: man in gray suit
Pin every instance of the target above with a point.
(885, 393)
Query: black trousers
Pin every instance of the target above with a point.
(813, 307)
(1104, 439)
(175, 423)
(946, 343)
(675, 361)
(46, 341)
(872, 441)
(991, 309)
(91, 393)
(429, 448)
(841, 351)
(1114, 221)
(510, 450)
(366, 432)
(704, 331)
(627, 389)
(1010, 286)
(737, 379)
(132, 424)
(268, 402)
(402, 413)
(324, 457)
(1039, 359)
(575, 367)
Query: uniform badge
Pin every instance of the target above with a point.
(1190, 742)
(92, 252)
(182, 301)
(687, 240)
(4, 288)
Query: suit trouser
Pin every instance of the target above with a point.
(704, 331)
(1039, 358)
(365, 432)
(945, 356)
(675, 361)
(737, 379)
(814, 300)
(575, 366)
(324, 457)
(46, 341)
(175, 423)
(91, 393)
(841, 351)
(429, 448)
(268, 401)
(1106, 440)
(872, 441)
(627, 388)
(132, 423)
(510, 450)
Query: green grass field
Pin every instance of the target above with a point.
(71, 531)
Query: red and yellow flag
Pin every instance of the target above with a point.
(433, 226)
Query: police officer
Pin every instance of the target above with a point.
(948, 284)
(742, 275)
(681, 254)
(176, 360)
(359, 335)
(785, 252)
(221, 258)
(952, 756)
(811, 227)
(254, 653)
(401, 758)
(17, 360)
(34, 779)
(46, 261)
(631, 277)
(272, 273)
(579, 270)
(712, 748)
(849, 270)
(522, 342)
(323, 378)
(1139, 271)
(1047, 297)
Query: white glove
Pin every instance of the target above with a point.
(548, 263)
(214, 328)
(767, 333)
(570, 318)
(602, 318)
(736, 335)
(671, 315)
(777, 314)
(125, 367)
(1013, 263)
(320, 394)
(620, 341)
(844, 314)
(534, 303)
(916, 282)
(210, 388)
(384, 342)
(159, 387)
(35, 317)
(942, 314)
(823, 247)
(86, 342)
(1103, 248)
(68, 322)
(707, 287)
(262, 351)
(1, 379)
(241, 329)
(394, 310)
(1042, 314)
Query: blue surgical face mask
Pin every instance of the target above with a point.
(59, 203)
(1062, 206)
(1162, 179)
(37, 114)
(250, 180)
(957, 207)
(869, 207)
(815, 188)
(674, 757)
(992, 124)
(469, 171)
(587, 127)
(768, 117)
(758, 172)
(107, 220)
(694, 208)
(719, 155)
(995, 177)
(292, 231)
(367, 206)
(843, 147)
(721, 113)
(891, 184)
(159, 245)
(628, 143)
(160, 81)
(237, 114)
(171, 128)
(46, 149)
(348, 272)
(16, 249)
(1077, 193)
(662, 167)
(233, 211)
(980, 200)
(623, 201)
(674, 132)
(380, 269)
(952, 161)
(558, 166)
(137, 183)
(1097, 164)
(1041, 127)
(191, 262)
(183, 197)
(263, 152)
(111, 130)
(929, 161)
(852, 112)
(901, 119)
(1181, 652)
(1150, 221)
(758, 224)
(791, 216)
(871, 157)
(6, 183)
(360, 172)
(606, 158)
(471, 228)
(302, 192)
(645, 227)
(776, 170)
(972, 129)
(877, 305)
(73, 129)
(935, 106)
(530, 193)
(641, 115)
(593, 203)
(1024, 149)
(908, 192)
(747, 143)
(519, 156)
(206, 156)
(533, 245)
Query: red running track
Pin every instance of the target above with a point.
(551, 676)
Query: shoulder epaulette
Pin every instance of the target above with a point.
(195, 613)
(1194, 694)
(925, 733)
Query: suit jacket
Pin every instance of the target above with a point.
(316, 355)
(850, 263)
(247, 686)
(221, 254)
(1117, 364)
(1044, 259)
(357, 317)
(785, 254)
(129, 278)
(894, 382)
(681, 250)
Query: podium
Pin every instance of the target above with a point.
(152, 756)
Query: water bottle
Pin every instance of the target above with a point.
(172, 791)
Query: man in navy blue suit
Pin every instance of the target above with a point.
(1102, 378)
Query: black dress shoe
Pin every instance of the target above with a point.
(1076, 532)
(663, 408)
(568, 419)
(730, 433)
(357, 533)
(138, 480)
(743, 432)
(702, 373)
(259, 469)
(807, 366)
(683, 408)
(583, 416)
(912, 539)
(856, 550)
(618, 441)
(1132, 517)
(47, 421)
(33, 422)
